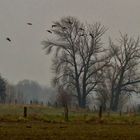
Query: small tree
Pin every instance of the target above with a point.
(10, 93)
(2, 89)
(64, 99)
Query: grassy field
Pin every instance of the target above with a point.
(67, 131)
(45, 123)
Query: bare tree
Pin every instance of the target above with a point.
(79, 55)
(121, 78)
(10, 93)
(64, 98)
(3, 84)
(102, 97)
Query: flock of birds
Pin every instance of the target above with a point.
(9, 39)
(64, 28)
(29, 23)
(49, 31)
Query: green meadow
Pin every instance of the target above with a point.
(47, 123)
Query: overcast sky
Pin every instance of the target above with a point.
(24, 57)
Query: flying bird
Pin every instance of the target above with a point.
(49, 31)
(29, 23)
(54, 25)
(8, 39)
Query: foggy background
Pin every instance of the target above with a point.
(24, 58)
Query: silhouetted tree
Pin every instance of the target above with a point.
(121, 78)
(64, 98)
(28, 90)
(10, 93)
(2, 90)
(78, 57)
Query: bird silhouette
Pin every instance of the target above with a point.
(82, 34)
(81, 29)
(69, 22)
(54, 25)
(91, 35)
(64, 28)
(29, 23)
(49, 31)
(8, 39)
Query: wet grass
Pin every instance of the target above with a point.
(67, 131)
(45, 123)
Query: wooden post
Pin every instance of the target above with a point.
(31, 102)
(120, 113)
(66, 112)
(100, 112)
(94, 108)
(134, 110)
(108, 113)
(25, 111)
(130, 112)
(15, 101)
(127, 110)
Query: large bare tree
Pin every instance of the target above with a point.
(79, 55)
(121, 78)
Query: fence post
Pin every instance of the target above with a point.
(127, 110)
(25, 111)
(120, 113)
(108, 113)
(100, 112)
(66, 112)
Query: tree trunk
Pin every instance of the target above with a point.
(117, 93)
(83, 102)
(25, 112)
(78, 92)
(116, 102)
(112, 100)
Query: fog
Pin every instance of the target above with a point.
(24, 58)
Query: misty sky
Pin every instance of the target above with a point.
(24, 57)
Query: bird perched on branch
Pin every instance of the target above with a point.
(91, 35)
(81, 29)
(82, 34)
(69, 22)
(64, 28)
(54, 26)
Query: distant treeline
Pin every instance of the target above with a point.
(25, 92)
